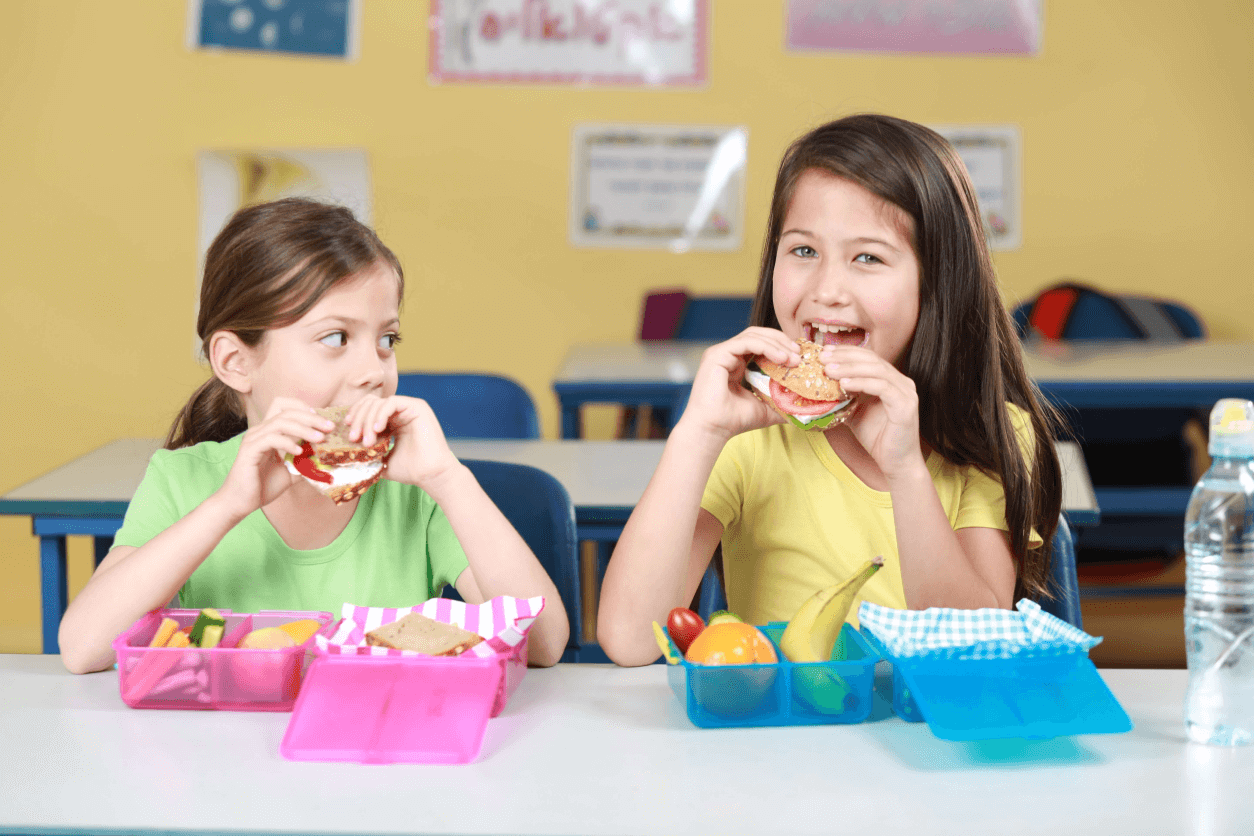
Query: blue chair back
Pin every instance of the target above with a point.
(471, 405)
(1063, 583)
(711, 318)
(539, 508)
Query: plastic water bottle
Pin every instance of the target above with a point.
(1219, 586)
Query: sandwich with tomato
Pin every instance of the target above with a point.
(339, 468)
(803, 394)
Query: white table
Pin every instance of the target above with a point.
(592, 749)
(605, 480)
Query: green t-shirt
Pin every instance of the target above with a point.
(397, 551)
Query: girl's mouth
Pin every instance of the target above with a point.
(824, 334)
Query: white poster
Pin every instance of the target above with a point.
(991, 154)
(676, 187)
(611, 42)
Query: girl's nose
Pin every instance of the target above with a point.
(831, 286)
(371, 370)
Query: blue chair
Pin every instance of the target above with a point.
(472, 405)
(714, 318)
(539, 508)
(1063, 583)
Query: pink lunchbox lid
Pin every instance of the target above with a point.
(392, 709)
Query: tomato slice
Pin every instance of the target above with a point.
(795, 404)
(684, 625)
(307, 468)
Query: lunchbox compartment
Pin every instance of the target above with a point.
(219, 678)
(781, 694)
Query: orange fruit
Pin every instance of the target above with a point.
(301, 630)
(731, 643)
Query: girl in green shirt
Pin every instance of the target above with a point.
(300, 308)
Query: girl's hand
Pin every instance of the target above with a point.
(258, 476)
(421, 454)
(886, 422)
(718, 402)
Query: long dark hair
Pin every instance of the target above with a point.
(268, 266)
(964, 357)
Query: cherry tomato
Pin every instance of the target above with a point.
(684, 625)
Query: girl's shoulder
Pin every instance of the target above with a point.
(212, 454)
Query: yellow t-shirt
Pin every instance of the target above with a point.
(796, 519)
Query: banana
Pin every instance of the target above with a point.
(812, 633)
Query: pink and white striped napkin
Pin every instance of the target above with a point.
(503, 622)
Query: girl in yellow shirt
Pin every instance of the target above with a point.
(874, 249)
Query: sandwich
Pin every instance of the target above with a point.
(339, 468)
(424, 635)
(803, 394)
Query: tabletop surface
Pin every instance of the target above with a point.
(1123, 360)
(597, 474)
(593, 749)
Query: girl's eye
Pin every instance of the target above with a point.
(804, 251)
(867, 258)
(336, 339)
(388, 341)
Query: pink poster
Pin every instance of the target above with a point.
(957, 27)
(580, 42)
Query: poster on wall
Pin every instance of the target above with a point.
(580, 42)
(956, 27)
(325, 28)
(229, 180)
(991, 154)
(676, 187)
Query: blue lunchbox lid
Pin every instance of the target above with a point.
(1034, 696)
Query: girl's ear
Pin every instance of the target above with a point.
(231, 360)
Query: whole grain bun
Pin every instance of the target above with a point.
(806, 379)
(337, 450)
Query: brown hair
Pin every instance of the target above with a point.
(964, 356)
(268, 266)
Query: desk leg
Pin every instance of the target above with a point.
(102, 545)
(570, 421)
(53, 583)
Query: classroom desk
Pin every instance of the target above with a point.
(592, 749)
(1193, 373)
(605, 479)
(1132, 374)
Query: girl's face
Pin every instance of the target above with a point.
(845, 269)
(341, 350)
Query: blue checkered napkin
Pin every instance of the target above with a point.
(945, 633)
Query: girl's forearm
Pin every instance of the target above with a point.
(501, 561)
(122, 590)
(650, 571)
(935, 570)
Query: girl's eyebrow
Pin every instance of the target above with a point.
(348, 320)
(879, 241)
(860, 240)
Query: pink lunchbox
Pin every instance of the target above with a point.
(376, 705)
(225, 678)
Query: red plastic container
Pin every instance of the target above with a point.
(224, 678)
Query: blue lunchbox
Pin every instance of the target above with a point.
(1030, 695)
(781, 694)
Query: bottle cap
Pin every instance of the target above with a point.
(1232, 428)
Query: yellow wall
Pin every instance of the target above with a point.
(1138, 174)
